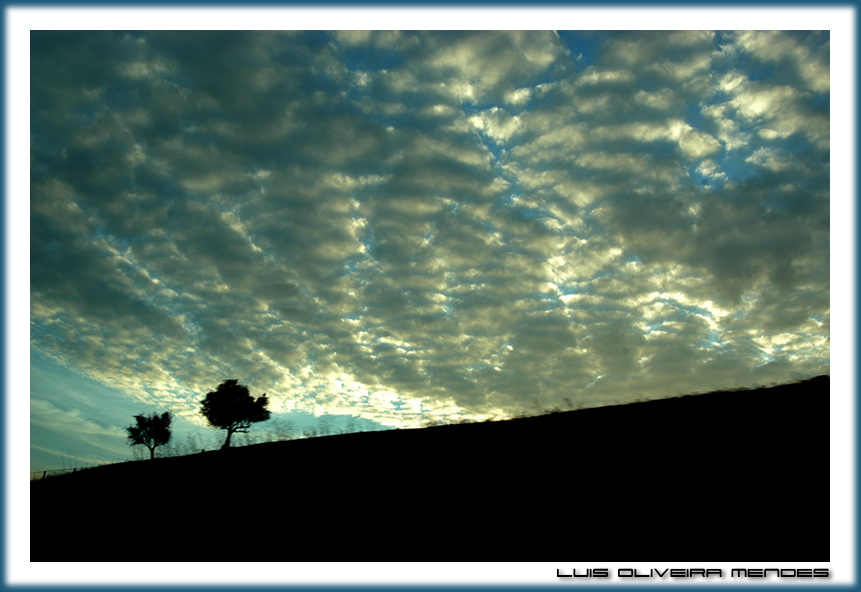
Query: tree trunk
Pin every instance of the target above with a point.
(227, 441)
(151, 452)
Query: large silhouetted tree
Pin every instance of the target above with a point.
(151, 431)
(231, 407)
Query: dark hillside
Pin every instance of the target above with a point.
(729, 476)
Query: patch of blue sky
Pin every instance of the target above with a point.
(686, 309)
(546, 302)
(472, 107)
(818, 318)
(367, 59)
(706, 179)
(710, 341)
(519, 209)
(595, 378)
(87, 114)
(383, 346)
(679, 313)
(509, 199)
(494, 147)
(76, 399)
(761, 71)
(736, 166)
(821, 102)
(46, 328)
(354, 264)
(569, 289)
(481, 367)
(694, 115)
(584, 45)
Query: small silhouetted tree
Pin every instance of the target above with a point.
(151, 431)
(231, 407)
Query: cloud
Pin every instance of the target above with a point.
(799, 56)
(413, 225)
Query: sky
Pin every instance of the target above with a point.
(394, 229)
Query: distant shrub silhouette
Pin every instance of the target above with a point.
(151, 431)
(231, 407)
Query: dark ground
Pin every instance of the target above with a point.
(730, 476)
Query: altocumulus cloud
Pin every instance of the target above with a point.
(411, 227)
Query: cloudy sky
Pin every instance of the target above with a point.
(418, 227)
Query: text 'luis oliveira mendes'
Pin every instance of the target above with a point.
(603, 572)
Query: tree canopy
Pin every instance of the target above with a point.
(151, 431)
(231, 407)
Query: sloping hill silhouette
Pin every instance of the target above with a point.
(725, 476)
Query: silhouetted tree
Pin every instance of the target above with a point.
(231, 407)
(151, 431)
